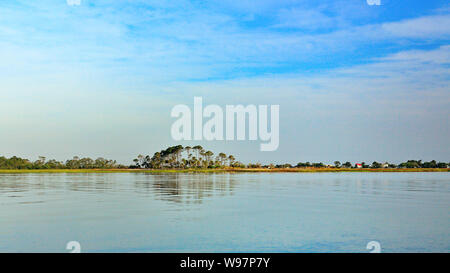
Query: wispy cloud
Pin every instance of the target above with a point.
(304, 19)
(73, 2)
(427, 27)
(169, 38)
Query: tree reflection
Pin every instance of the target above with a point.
(187, 188)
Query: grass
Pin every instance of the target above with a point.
(228, 170)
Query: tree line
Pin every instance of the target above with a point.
(179, 157)
(17, 163)
(196, 157)
(375, 165)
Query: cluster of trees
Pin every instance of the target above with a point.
(286, 166)
(377, 165)
(338, 164)
(17, 163)
(307, 165)
(179, 157)
(420, 164)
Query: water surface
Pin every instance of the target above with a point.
(258, 212)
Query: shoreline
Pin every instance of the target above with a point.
(227, 170)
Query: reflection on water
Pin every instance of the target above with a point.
(173, 187)
(182, 188)
(262, 212)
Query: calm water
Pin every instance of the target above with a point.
(290, 212)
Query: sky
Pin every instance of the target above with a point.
(355, 82)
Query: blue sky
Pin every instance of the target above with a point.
(354, 82)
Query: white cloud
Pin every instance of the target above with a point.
(373, 2)
(73, 2)
(437, 26)
(437, 56)
(304, 19)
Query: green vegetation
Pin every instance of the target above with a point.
(197, 159)
(179, 157)
(17, 163)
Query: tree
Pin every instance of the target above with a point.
(347, 165)
(300, 165)
(208, 155)
(231, 160)
(337, 164)
(189, 155)
(413, 164)
(222, 158)
(376, 165)
(198, 149)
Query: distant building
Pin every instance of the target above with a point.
(385, 165)
(358, 165)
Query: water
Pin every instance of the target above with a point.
(260, 212)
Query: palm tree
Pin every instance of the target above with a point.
(178, 150)
(208, 155)
(230, 160)
(136, 163)
(188, 150)
(202, 156)
(222, 158)
(198, 149)
(193, 161)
